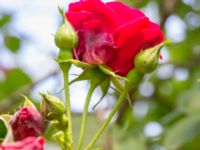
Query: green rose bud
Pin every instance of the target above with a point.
(146, 61)
(52, 107)
(66, 37)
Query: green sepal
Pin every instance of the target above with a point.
(9, 135)
(76, 63)
(52, 107)
(28, 102)
(104, 88)
(94, 75)
(147, 60)
(61, 11)
(110, 72)
(59, 137)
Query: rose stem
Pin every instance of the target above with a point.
(65, 69)
(84, 117)
(107, 121)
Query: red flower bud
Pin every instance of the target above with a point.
(27, 122)
(30, 143)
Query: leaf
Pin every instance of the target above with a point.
(182, 132)
(13, 43)
(15, 80)
(9, 136)
(4, 20)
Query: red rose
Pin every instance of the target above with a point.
(30, 143)
(111, 33)
(27, 122)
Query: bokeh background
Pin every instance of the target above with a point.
(166, 106)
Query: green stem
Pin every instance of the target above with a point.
(65, 70)
(107, 121)
(84, 117)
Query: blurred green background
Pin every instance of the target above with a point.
(166, 106)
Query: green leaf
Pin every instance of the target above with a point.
(182, 132)
(13, 43)
(4, 20)
(9, 136)
(15, 80)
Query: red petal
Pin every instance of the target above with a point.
(125, 13)
(152, 37)
(124, 57)
(77, 18)
(126, 31)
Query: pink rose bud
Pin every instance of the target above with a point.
(30, 143)
(27, 122)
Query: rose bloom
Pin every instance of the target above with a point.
(30, 143)
(111, 33)
(27, 122)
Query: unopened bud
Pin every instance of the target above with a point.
(66, 37)
(27, 122)
(146, 61)
(52, 107)
(30, 143)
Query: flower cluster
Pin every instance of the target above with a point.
(27, 125)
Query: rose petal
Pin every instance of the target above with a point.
(152, 37)
(124, 57)
(78, 18)
(125, 13)
(128, 30)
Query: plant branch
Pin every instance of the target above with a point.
(107, 121)
(84, 117)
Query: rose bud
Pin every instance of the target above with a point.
(53, 105)
(53, 108)
(110, 37)
(66, 37)
(146, 61)
(27, 122)
(29, 143)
